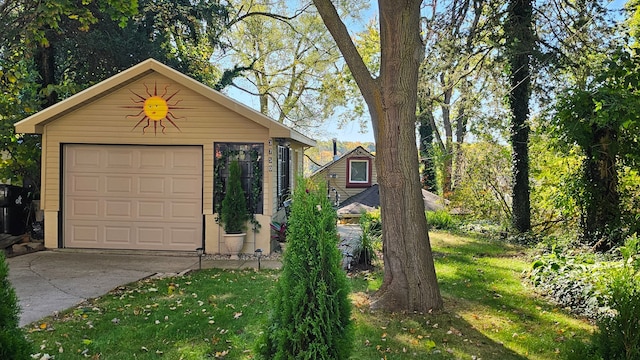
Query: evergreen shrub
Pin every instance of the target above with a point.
(13, 344)
(233, 212)
(309, 307)
(618, 335)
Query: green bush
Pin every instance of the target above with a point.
(13, 344)
(233, 213)
(441, 220)
(371, 238)
(310, 308)
(618, 335)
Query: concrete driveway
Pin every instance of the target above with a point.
(55, 280)
(50, 281)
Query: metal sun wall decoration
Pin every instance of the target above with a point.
(155, 109)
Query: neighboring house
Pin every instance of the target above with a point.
(353, 178)
(348, 174)
(134, 163)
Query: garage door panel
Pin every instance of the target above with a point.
(117, 236)
(183, 161)
(129, 201)
(184, 211)
(86, 185)
(117, 209)
(152, 210)
(120, 159)
(86, 235)
(87, 208)
(180, 237)
(118, 185)
(89, 159)
(184, 187)
(154, 185)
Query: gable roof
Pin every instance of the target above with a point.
(35, 123)
(370, 199)
(328, 165)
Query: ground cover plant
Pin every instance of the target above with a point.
(489, 314)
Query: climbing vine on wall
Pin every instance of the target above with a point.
(250, 156)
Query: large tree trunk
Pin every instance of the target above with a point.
(428, 174)
(447, 182)
(45, 62)
(410, 282)
(520, 42)
(601, 215)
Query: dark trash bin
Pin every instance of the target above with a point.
(14, 204)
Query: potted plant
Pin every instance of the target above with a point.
(233, 211)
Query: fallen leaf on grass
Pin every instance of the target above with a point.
(221, 354)
(237, 315)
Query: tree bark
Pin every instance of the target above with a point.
(410, 282)
(602, 204)
(428, 174)
(520, 42)
(45, 62)
(447, 182)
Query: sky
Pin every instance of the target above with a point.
(330, 129)
(351, 131)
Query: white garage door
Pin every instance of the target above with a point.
(132, 197)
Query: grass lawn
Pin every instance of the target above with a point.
(488, 314)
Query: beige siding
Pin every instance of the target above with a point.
(112, 119)
(339, 169)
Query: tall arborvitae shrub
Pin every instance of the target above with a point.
(310, 308)
(13, 344)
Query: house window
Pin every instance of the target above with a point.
(250, 157)
(284, 174)
(358, 172)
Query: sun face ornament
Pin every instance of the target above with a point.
(154, 109)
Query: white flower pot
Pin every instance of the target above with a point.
(234, 244)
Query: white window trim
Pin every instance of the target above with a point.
(367, 180)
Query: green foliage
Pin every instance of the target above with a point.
(233, 211)
(618, 335)
(18, 100)
(310, 312)
(485, 182)
(13, 344)
(292, 64)
(371, 239)
(441, 220)
(572, 281)
(555, 172)
(603, 119)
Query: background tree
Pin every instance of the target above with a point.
(410, 282)
(293, 64)
(484, 186)
(603, 120)
(427, 154)
(520, 43)
(87, 43)
(459, 42)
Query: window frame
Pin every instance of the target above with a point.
(368, 172)
(283, 174)
(228, 151)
